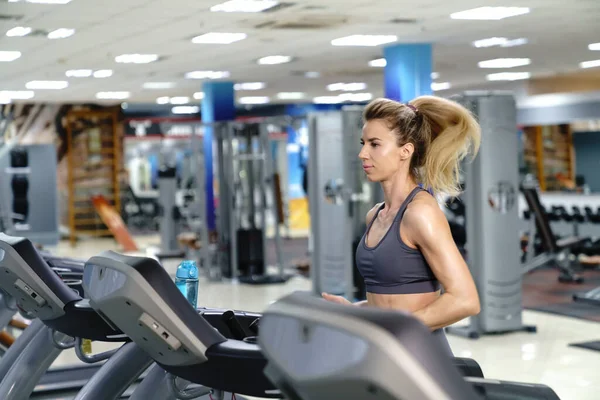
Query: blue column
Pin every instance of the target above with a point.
(218, 105)
(408, 71)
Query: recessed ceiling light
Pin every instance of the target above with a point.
(251, 6)
(185, 110)
(499, 41)
(435, 75)
(79, 73)
(50, 85)
(17, 94)
(254, 100)
(347, 87)
(103, 73)
(364, 40)
(378, 63)
(136, 58)
(508, 76)
(42, 1)
(327, 100)
(594, 46)
(250, 86)
(436, 86)
(490, 13)
(158, 85)
(590, 64)
(358, 97)
(8, 56)
(219, 38)
(61, 33)
(179, 100)
(112, 95)
(312, 74)
(504, 63)
(163, 100)
(271, 60)
(290, 95)
(199, 95)
(207, 75)
(18, 31)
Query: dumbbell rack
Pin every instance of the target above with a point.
(93, 169)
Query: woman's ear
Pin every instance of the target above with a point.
(407, 151)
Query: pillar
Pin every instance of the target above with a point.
(218, 105)
(408, 71)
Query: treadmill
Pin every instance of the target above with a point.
(321, 350)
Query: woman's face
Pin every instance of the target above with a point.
(380, 155)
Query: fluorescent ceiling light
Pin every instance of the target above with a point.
(136, 58)
(347, 87)
(50, 85)
(359, 97)
(207, 75)
(43, 1)
(312, 74)
(290, 95)
(364, 40)
(436, 86)
(199, 95)
(18, 31)
(112, 95)
(17, 94)
(163, 100)
(219, 38)
(594, 46)
(490, 13)
(378, 63)
(158, 85)
(244, 6)
(499, 41)
(271, 60)
(8, 56)
(79, 73)
(254, 100)
(435, 75)
(179, 100)
(185, 109)
(508, 76)
(250, 86)
(61, 33)
(504, 63)
(590, 64)
(103, 73)
(5, 100)
(356, 97)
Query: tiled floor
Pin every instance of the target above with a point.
(543, 357)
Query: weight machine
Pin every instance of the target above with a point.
(249, 201)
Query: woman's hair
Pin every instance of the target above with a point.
(442, 131)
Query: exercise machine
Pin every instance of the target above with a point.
(213, 348)
(321, 350)
(492, 219)
(28, 194)
(247, 202)
(339, 198)
(61, 319)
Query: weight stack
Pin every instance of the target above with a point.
(250, 249)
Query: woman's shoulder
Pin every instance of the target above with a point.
(422, 210)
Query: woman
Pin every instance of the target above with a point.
(407, 251)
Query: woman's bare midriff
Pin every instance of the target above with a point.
(404, 302)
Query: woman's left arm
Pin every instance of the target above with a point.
(430, 232)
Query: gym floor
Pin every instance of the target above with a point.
(543, 357)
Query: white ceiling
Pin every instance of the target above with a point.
(558, 33)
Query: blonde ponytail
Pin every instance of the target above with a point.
(443, 133)
(454, 134)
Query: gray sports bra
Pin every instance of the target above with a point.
(392, 267)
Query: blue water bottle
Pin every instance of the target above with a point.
(186, 280)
